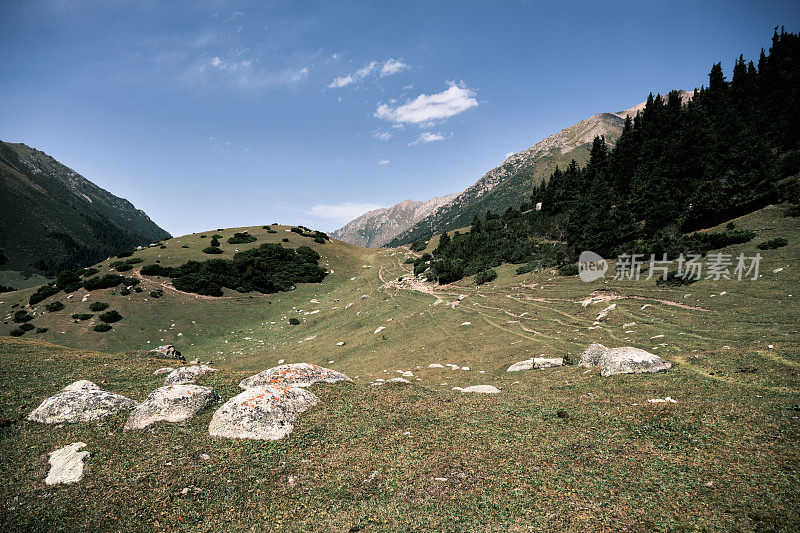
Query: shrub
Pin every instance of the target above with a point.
(294, 321)
(533, 266)
(184, 246)
(82, 316)
(130, 282)
(123, 267)
(485, 276)
(98, 306)
(158, 293)
(319, 240)
(52, 307)
(73, 287)
(266, 228)
(5, 288)
(41, 330)
(271, 231)
(102, 328)
(418, 246)
(285, 239)
(241, 238)
(570, 269)
(772, 244)
(17, 332)
(102, 282)
(134, 260)
(137, 289)
(22, 316)
(124, 254)
(27, 327)
(215, 241)
(152, 270)
(110, 317)
(217, 235)
(90, 272)
(68, 278)
(299, 231)
(43, 292)
(212, 250)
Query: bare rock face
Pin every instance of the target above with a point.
(536, 362)
(187, 374)
(293, 375)
(591, 355)
(76, 404)
(164, 370)
(629, 360)
(521, 365)
(262, 413)
(168, 351)
(66, 464)
(485, 389)
(173, 403)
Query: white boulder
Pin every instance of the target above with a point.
(66, 464)
(173, 403)
(187, 374)
(485, 389)
(293, 375)
(80, 405)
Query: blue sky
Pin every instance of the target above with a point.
(214, 114)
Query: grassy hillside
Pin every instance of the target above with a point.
(724, 457)
(52, 218)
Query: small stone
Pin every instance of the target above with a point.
(66, 464)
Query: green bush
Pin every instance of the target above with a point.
(82, 316)
(22, 316)
(158, 293)
(319, 240)
(152, 270)
(418, 246)
(41, 330)
(184, 246)
(98, 306)
(27, 327)
(134, 260)
(122, 267)
(130, 282)
(570, 269)
(90, 272)
(266, 228)
(772, 244)
(102, 282)
(52, 307)
(217, 235)
(212, 250)
(215, 241)
(110, 317)
(485, 276)
(124, 254)
(17, 332)
(42, 293)
(299, 231)
(271, 231)
(102, 328)
(241, 238)
(285, 239)
(6, 288)
(294, 321)
(137, 289)
(124, 291)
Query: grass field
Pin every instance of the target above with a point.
(725, 457)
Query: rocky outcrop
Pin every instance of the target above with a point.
(80, 403)
(629, 360)
(263, 413)
(536, 362)
(173, 403)
(168, 351)
(187, 374)
(66, 464)
(293, 375)
(591, 355)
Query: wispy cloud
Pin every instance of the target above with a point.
(429, 137)
(382, 135)
(386, 68)
(426, 109)
(341, 213)
(384, 162)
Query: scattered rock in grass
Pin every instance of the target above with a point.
(168, 351)
(173, 403)
(398, 380)
(486, 389)
(66, 464)
(262, 413)
(164, 370)
(187, 374)
(547, 362)
(666, 399)
(591, 355)
(380, 328)
(435, 365)
(340, 343)
(293, 375)
(80, 405)
(466, 323)
(605, 312)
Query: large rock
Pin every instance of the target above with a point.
(168, 351)
(79, 403)
(591, 355)
(263, 413)
(485, 389)
(536, 362)
(629, 360)
(173, 403)
(519, 366)
(187, 374)
(293, 375)
(66, 464)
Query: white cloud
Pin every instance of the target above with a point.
(341, 213)
(384, 162)
(392, 66)
(366, 70)
(425, 109)
(382, 135)
(341, 81)
(429, 137)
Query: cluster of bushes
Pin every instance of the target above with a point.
(772, 244)
(211, 250)
(103, 282)
(21, 317)
(241, 238)
(318, 236)
(82, 316)
(109, 317)
(418, 246)
(102, 327)
(6, 288)
(485, 276)
(294, 321)
(266, 269)
(98, 306)
(52, 307)
(42, 293)
(158, 293)
(570, 269)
